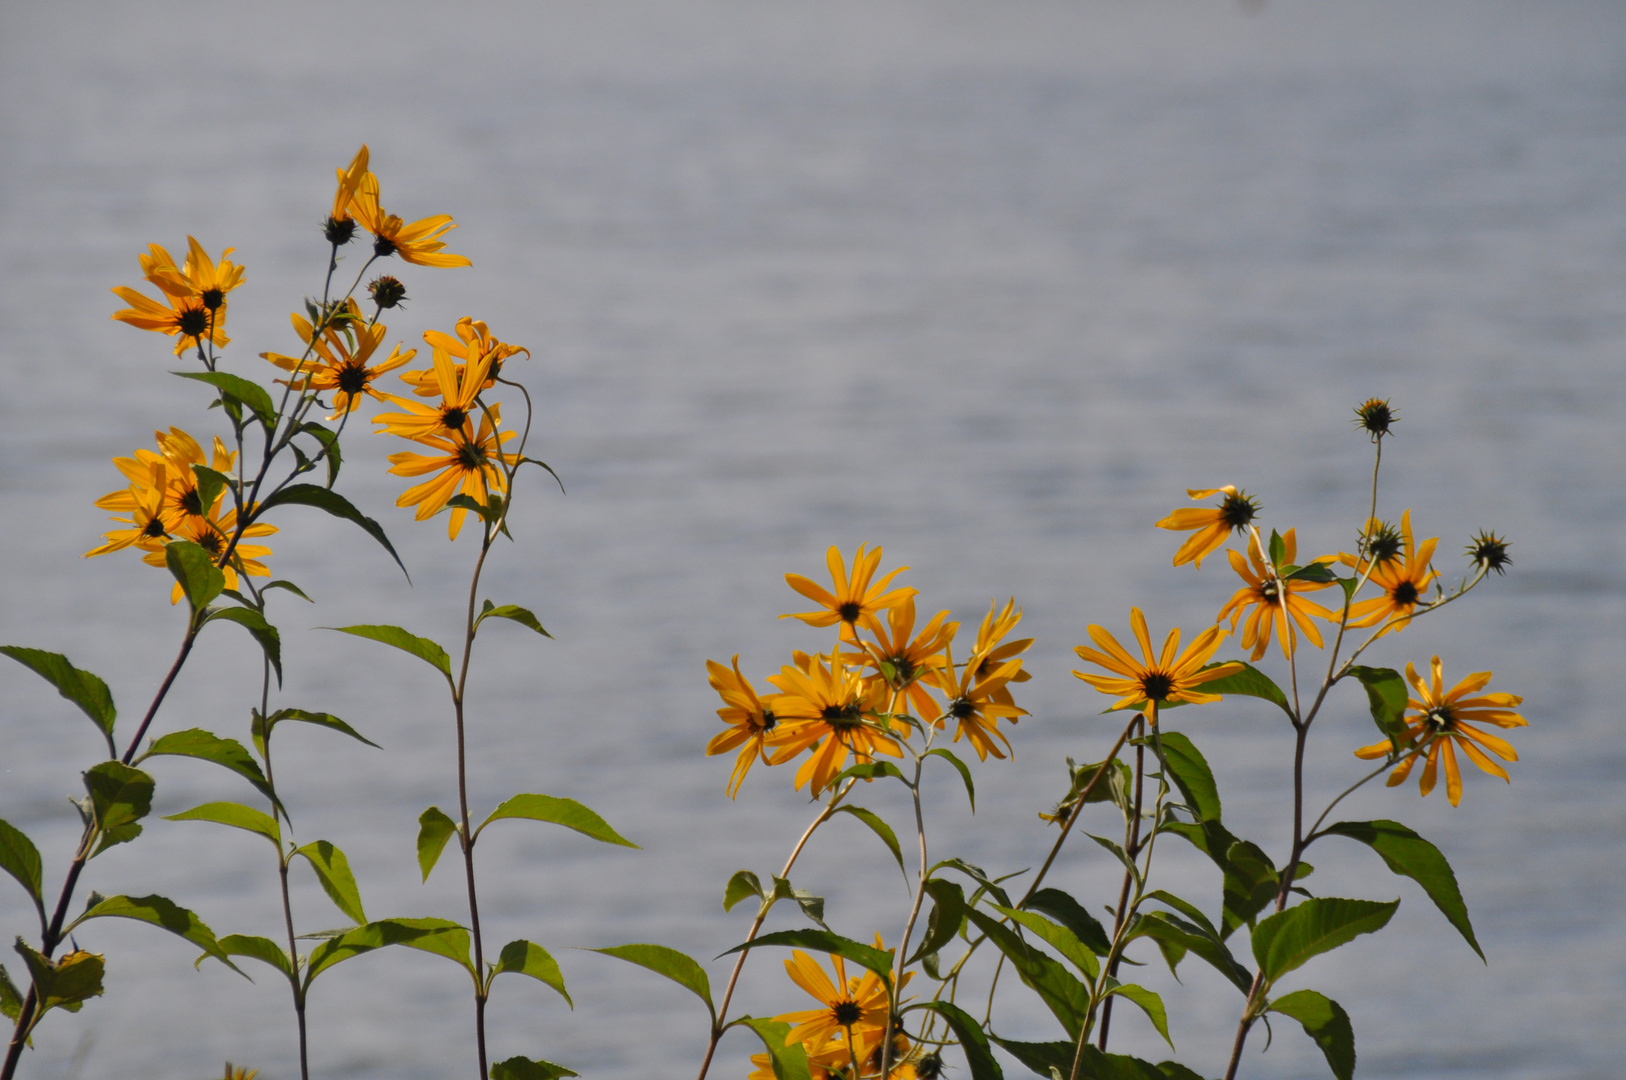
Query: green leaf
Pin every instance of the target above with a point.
(1191, 774)
(422, 648)
(11, 999)
(65, 984)
(434, 829)
(237, 816)
(1058, 937)
(965, 773)
(1411, 856)
(453, 944)
(868, 770)
(1071, 914)
(1149, 1003)
(21, 859)
(333, 503)
(1313, 572)
(788, 1062)
(159, 912)
(210, 484)
(984, 882)
(263, 726)
(333, 871)
(287, 585)
(973, 1041)
(330, 446)
(880, 828)
(1120, 854)
(235, 386)
(948, 915)
(256, 948)
(1326, 1022)
(78, 686)
(512, 613)
(567, 812)
(519, 1068)
(1289, 938)
(1176, 937)
(377, 935)
(1278, 549)
(195, 569)
(669, 963)
(1064, 995)
(742, 884)
(1040, 1057)
(120, 796)
(262, 631)
(1250, 885)
(207, 746)
(1209, 837)
(876, 960)
(1386, 696)
(812, 906)
(1173, 1070)
(1249, 682)
(525, 958)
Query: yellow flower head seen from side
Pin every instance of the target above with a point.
(418, 243)
(1404, 577)
(146, 527)
(472, 343)
(854, 602)
(994, 655)
(1268, 594)
(825, 707)
(904, 663)
(974, 702)
(467, 464)
(339, 360)
(169, 473)
(1158, 680)
(349, 183)
(853, 1009)
(750, 719)
(457, 405)
(1442, 718)
(1213, 524)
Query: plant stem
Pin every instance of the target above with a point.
(908, 927)
(465, 836)
(1132, 849)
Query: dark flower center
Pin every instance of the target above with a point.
(210, 542)
(1404, 594)
(1375, 416)
(769, 721)
(386, 291)
(471, 456)
(847, 1013)
(1238, 510)
(339, 231)
(1438, 719)
(191, 502)
(1270, 590)
(194, 322)
(842, 717)
(453, 418)
(903, 670)
(1156, 685)
(929, 1067)
(154, 528)
(383, 247)
(961, 708)
(849, 611)
(353, 378)
(1490, 551)
(213, 298)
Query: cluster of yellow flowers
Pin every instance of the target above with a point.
(860, 702)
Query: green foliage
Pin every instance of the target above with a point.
(1290, 938)
(1386, 695)
(669, 963)
(424, 649)
(333, 503)
(978, 1057)
(812, 906)
(263, 632)
(881, 829)
(868, 770)
(21, 859)
(1071, 914)
(160, 912)
(11, 999)
(1064, 995)
(329, 441)
(1325, 1021)
(237, 816)
(82, 688)
(1149, 1003)
(567, 812)
(1411, 856)
(1249, 682)
(207, 746)
(960, 767)
(519, 1068)
(1057, 937)
(1190, 772)
(201, 580)
(120, 796)
(238, 389)
(333, 872)
(787, 1062)
(262, 725)
(948, 915)
(257, 948)
(825, 941)
(378, 935)
(66, 983)
(1176, 936)
(1251, 883)
(526, 958)
(742, 884)
(512, 613)
(434, 829)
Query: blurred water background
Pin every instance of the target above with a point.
(988, 285)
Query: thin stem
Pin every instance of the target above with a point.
(908, 927)
(1132, 849)
(464, 834)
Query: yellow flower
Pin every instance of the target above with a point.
(829, 704)
(1165, 679)
(170, 473)
(183, 318)
(417, 243)
(908, 661)
(1404, 578)
(994, 655)
(147, 528)
(341, 360)
(455, 408)
(974, 702)
(751, 721)
(349, 181)
(854, 602)
(196, 295)
(1213, 524)
(468, 465)
(473, 342)
(213, 534)
(1442, 718)
(854, 1010)
(1267, 593)
(240, 1074)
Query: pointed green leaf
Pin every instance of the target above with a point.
(960, 767)
(1277, 549)
(330, 447)
(742, 884)
(880, 828)
(1313, 572)
(876, 960)
(192, 566)
(1191, 774)
(434, 829)
(671, 964)
(972, 1041)
(263, 632)
(525, 958)
(422, 648)
(333, 871)
(78, 686)
(567, 812)
(519, 1068)
(64, 984)
(237, 816)
(1058, 937)
(1326, 1022)
(249, 393)
(788, 1062)
(1249, 682)
(1289, 938)
(320, 719)
(1040, 1057)
(1071, 914)
(256, 948)
(512, 613)
(11, 999)
(948, 915)
(333, 503)
(120, 796)
(1119, 853)
(1209, 837)
(207, 746)
(868, 770)
(21, 859)
(287, 585)
(812, 906)
(1386, 696)
(985, 884)
(1250, 885)
(159, 912)
(1177, 936)
(1411, 856)
(1064, 995)
(453, 944)
(377, 935)
(1149, 1003)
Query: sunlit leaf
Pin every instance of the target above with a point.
(1411, 856)
(256, 948)
(526, 958)
(1290, 938)
(787, 1062)
(333, 503)
(880, 828)
(671, 964)
(434, 829)
(160, 912)
(567, 812)
(1386, 696)
(192, 566)
(263, 632)
(512, 613)
(249, 393)
(742, 884)
(1249, 682)
(422, 648)
(237, 816)
(207, 746)
(960, 767)
(120, 796)
(333, 872)
(1191, 774)
(876, 960)
(21, 859)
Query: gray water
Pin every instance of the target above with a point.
(987, 285)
